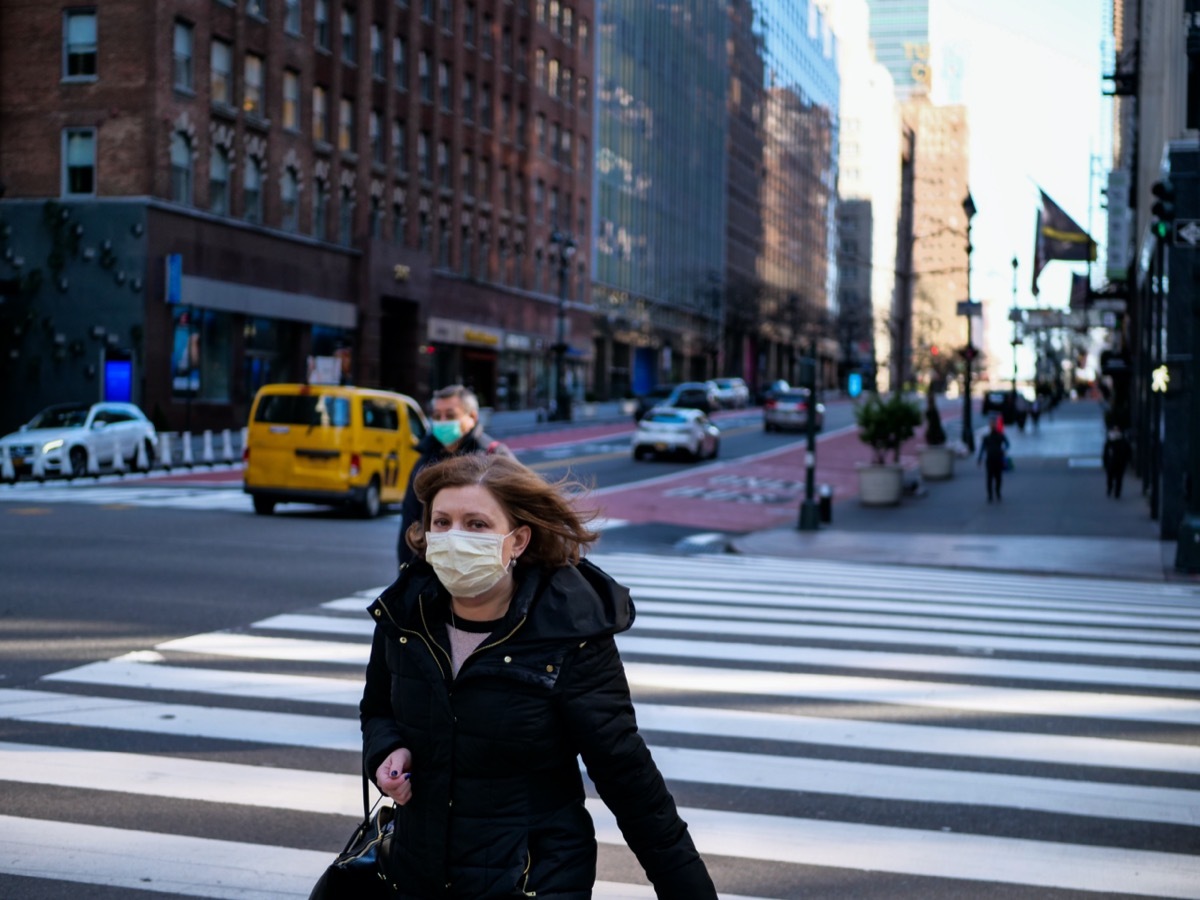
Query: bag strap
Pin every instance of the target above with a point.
(366, 798)
(492, 447)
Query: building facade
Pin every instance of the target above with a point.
(275, 182)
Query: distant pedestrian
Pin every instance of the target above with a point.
(1035, 412)
(1117, 452)
(993, 450)
(455, 430)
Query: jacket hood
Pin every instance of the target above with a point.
(573, 602)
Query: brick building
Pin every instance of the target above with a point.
(216, 192)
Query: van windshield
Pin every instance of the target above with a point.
(304, 409)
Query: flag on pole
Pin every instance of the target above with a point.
(1058, 237)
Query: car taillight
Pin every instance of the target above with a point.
(246, 456)
(770, 404)
(355, 465)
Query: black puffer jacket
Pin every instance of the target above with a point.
(432, 450)
(498, 800)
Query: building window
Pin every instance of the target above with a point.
(443, 163)
(485, 105)
(469, 24)
(291, 16)
(346, 217)
(427, 10)
(584, 38)
(375, 134)
(79, 176)
(568, 26)
(346, 136)
(400, 63)
(466, 174)
(565, 156)
(79, 44)
(448, 15)
(443, 253)
(581, 86)
(399, 147)
(564, 84)
(321, 21)
(291, 100)
(424, 158)
(375, 219)
(182, 57)
(289, 195)
(506, 48)
(256, 8)
(181, 168)
(486, 41)
(321, 211)
(539, 198)
(252, 91)
(539, 133)
(378, 61)
(349, 36)
(218, 181)
(483, 180)
(320, 114)
(444, 78)
(252, 197)
(464, 251)
(424, 241)
(468, 98)
(539, 68)
(399, 223)
(425, 76)
(220, 77)
(552, 70)
(555, 137)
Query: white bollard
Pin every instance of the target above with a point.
(142, 463)
(93, 465)
(39, 464)
(7, 472)
(65, 467)
(226, 446)
(206, 449)
(164, 449)
(118, 462)
(186, 439)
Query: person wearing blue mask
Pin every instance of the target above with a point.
(454, 430)
(494, 672)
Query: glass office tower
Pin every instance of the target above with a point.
(900, 33)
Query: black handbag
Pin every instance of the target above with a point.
(357, 873)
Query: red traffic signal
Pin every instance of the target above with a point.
(427, 349)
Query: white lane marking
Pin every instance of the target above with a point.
(246, 646)
(987, 642)
(918, 785)
(854, 658)
(186, 779)
(886, 736)
(254, 726)
(876, 848)
(930, 694)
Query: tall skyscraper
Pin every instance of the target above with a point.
(900, 33)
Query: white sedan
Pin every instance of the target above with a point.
(673, 430)
(84, 436)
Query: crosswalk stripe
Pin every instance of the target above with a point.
(796, 728)
(815, 656)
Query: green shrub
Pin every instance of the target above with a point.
(935, 434)
(885, 424)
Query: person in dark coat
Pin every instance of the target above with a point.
(992, 451)
(1116, 458)
(493, 670)
(455, 430)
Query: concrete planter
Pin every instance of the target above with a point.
(880, 485)
(937, 463)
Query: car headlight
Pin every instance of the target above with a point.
(52, 445)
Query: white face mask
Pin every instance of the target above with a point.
(467, 563)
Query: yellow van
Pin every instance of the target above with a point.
(341, 446)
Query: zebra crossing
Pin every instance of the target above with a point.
(819, 724)
(133, 490)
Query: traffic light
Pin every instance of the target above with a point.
(1163, 209)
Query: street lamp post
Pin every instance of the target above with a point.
(968, 432)
(1014, 314)
(562, 397)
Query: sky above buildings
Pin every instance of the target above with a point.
(1029, 73)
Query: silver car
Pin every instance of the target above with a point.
(86, 436)
(788, 409)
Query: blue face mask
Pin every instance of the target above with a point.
(447, 433)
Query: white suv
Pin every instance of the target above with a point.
(80, 434)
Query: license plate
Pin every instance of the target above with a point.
(660, 447)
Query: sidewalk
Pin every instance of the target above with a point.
(1054, 519)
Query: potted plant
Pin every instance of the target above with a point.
(935, 458)
(884, 425)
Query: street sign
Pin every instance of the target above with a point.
(970, 308)
(1187, 233)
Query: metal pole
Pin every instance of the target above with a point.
(809, 517)
(968, 432)
(562, 398)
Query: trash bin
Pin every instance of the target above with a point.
(825, 502)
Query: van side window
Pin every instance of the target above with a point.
(380, 414)
(415, 423)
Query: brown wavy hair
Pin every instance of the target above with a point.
(559, 532)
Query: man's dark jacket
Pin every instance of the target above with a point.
(432, 450)
(498, 801)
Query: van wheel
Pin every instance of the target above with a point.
(263, 506)
(370, 506)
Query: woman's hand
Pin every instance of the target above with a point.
(393, 776)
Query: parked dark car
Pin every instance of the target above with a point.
(652, 398)
(701, 395)
(770, 389)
